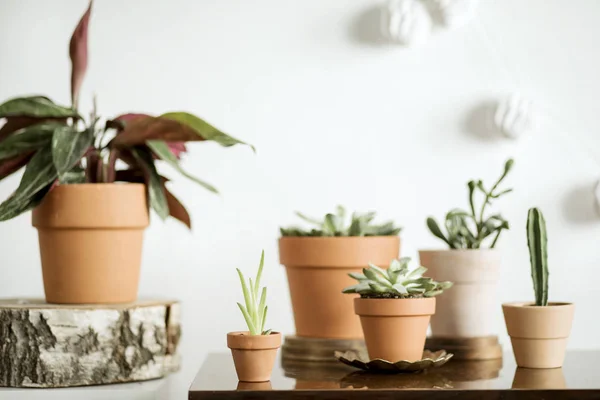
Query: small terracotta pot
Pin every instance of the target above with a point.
(253, 355)
(90, 238)
(395, 329)
(470, 309)
(539, 334)
(317, 270)
(547, 378)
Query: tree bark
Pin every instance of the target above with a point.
(49, 345)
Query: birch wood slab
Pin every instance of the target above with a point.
(51, 345)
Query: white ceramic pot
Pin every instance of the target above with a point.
(470, 307)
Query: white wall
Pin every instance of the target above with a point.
(336, 118)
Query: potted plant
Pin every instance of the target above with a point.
(254, 350)
(394, 307)
(318, 261)
(472, 263)
(538, 331)
(91, 227)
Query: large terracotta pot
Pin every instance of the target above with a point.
(317, 270)
(395, 329)
(90, 238)
(253, 355)
(539, 334)
(471, 307)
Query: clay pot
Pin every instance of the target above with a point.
(470, 308)
(90, 238)
(395, 329)
(317, 270)
(547, 378)
(253, 355)
(539, 334)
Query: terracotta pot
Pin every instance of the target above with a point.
(539, 334)
(395, 329)
(253, 355)
(547, 378)
(317, 270)
(90, 238)
(471, 307)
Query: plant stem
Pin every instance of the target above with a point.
(496, 239)
(110, 167)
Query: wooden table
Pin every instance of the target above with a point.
(579, 379)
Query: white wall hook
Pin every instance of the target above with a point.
(455, 13)
(405, 22)
(515, 116)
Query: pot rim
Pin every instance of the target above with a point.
(485, 250)
(529, 305)
(339, 238)
(242, 340)
(366, 307)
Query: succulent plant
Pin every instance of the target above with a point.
(57, 145)
(470, 229)
(255, 310)
(538, 253)
(397, 282)
(334, 225)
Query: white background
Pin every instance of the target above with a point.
(337, 117)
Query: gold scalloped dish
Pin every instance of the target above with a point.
(360, 360)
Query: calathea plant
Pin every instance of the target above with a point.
(397, 282)
(57, 145)
(334, 224)
(471, 229)
(255, 308)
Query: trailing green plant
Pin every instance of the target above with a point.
(255, 308)
(334, 224)
(396, 282)
(537, 239)
(471, 229)
(57, 145)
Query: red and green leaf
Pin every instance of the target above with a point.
(12, 165)
(28, 139)
(171, 127)
(78, 52)
(176, 209)
(35, 107)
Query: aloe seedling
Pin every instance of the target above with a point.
(469, 230)
(334, 225)
(538, 253)
(396, 282)
(255, 310)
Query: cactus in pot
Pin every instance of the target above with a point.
(537, 241)
(395, 306)
(254, 351)
(473, 263)
(538, 331)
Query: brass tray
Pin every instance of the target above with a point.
(360, 360)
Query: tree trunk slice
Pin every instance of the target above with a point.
(52, 345)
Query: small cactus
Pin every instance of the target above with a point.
(538, 253)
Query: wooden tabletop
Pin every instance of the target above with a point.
(496, 379)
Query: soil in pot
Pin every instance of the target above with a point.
(395, 329)
(253, 355)
(317, 270)
(539, 334)
(90, 238)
